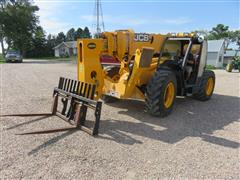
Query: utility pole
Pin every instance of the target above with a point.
(99, 14)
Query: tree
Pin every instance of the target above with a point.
(86, 33)
(60, 38)
(38, 44)
(51, 40)
(18, 23)
(51, 43)
(219, 32)
(235, 37)
(78, 34)
(70, 35)
(2, 40)
(2, 5)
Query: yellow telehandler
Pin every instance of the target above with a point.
(153, 67)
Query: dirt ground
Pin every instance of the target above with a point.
(198, 140)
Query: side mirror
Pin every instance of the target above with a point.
(200, 39)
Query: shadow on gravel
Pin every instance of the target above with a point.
(52, 141)
(190, 118)
(27, 122)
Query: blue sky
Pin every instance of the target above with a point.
(159, 16)
(153, 16)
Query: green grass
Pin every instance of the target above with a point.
(210, 67)
(73, 58)
(1, 59)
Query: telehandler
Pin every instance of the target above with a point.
(152, 67)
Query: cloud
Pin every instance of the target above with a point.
(138, 21)
(178, 21)
(115, 20)
(88, 18)
(50, 13)
(49, 16)
(54, 26)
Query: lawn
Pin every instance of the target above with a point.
(72, 58)
(210, 67)
(1, 59)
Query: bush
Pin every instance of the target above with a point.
(237, 58)
(210, 67)
(2, 60)
(65, 55)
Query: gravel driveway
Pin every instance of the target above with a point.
(198, 140)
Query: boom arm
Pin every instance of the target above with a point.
(120, 45)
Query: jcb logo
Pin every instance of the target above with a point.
(141, 37)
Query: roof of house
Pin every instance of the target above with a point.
(215, 45)
(69, 44)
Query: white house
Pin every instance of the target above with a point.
(66, 49)
(215, 53)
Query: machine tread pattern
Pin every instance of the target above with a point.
(155, 93)
(200, 89)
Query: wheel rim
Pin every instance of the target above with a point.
(209, 87)
(169, 95)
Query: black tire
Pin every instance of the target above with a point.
(156, 91)
(109, 99)
(200, 92)
(229, 67)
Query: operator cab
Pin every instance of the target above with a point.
(182, 55)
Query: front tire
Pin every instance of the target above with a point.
(205, 87)
(161, 93)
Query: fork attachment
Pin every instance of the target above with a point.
(76, 98)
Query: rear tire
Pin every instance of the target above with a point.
(205, 87)
(229, 67)
(161, 93)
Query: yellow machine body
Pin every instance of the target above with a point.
(142, 71)
(127, 47)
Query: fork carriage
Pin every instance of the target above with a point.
(76, 97)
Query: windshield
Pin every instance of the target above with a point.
(13, 52)
(174, 50)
